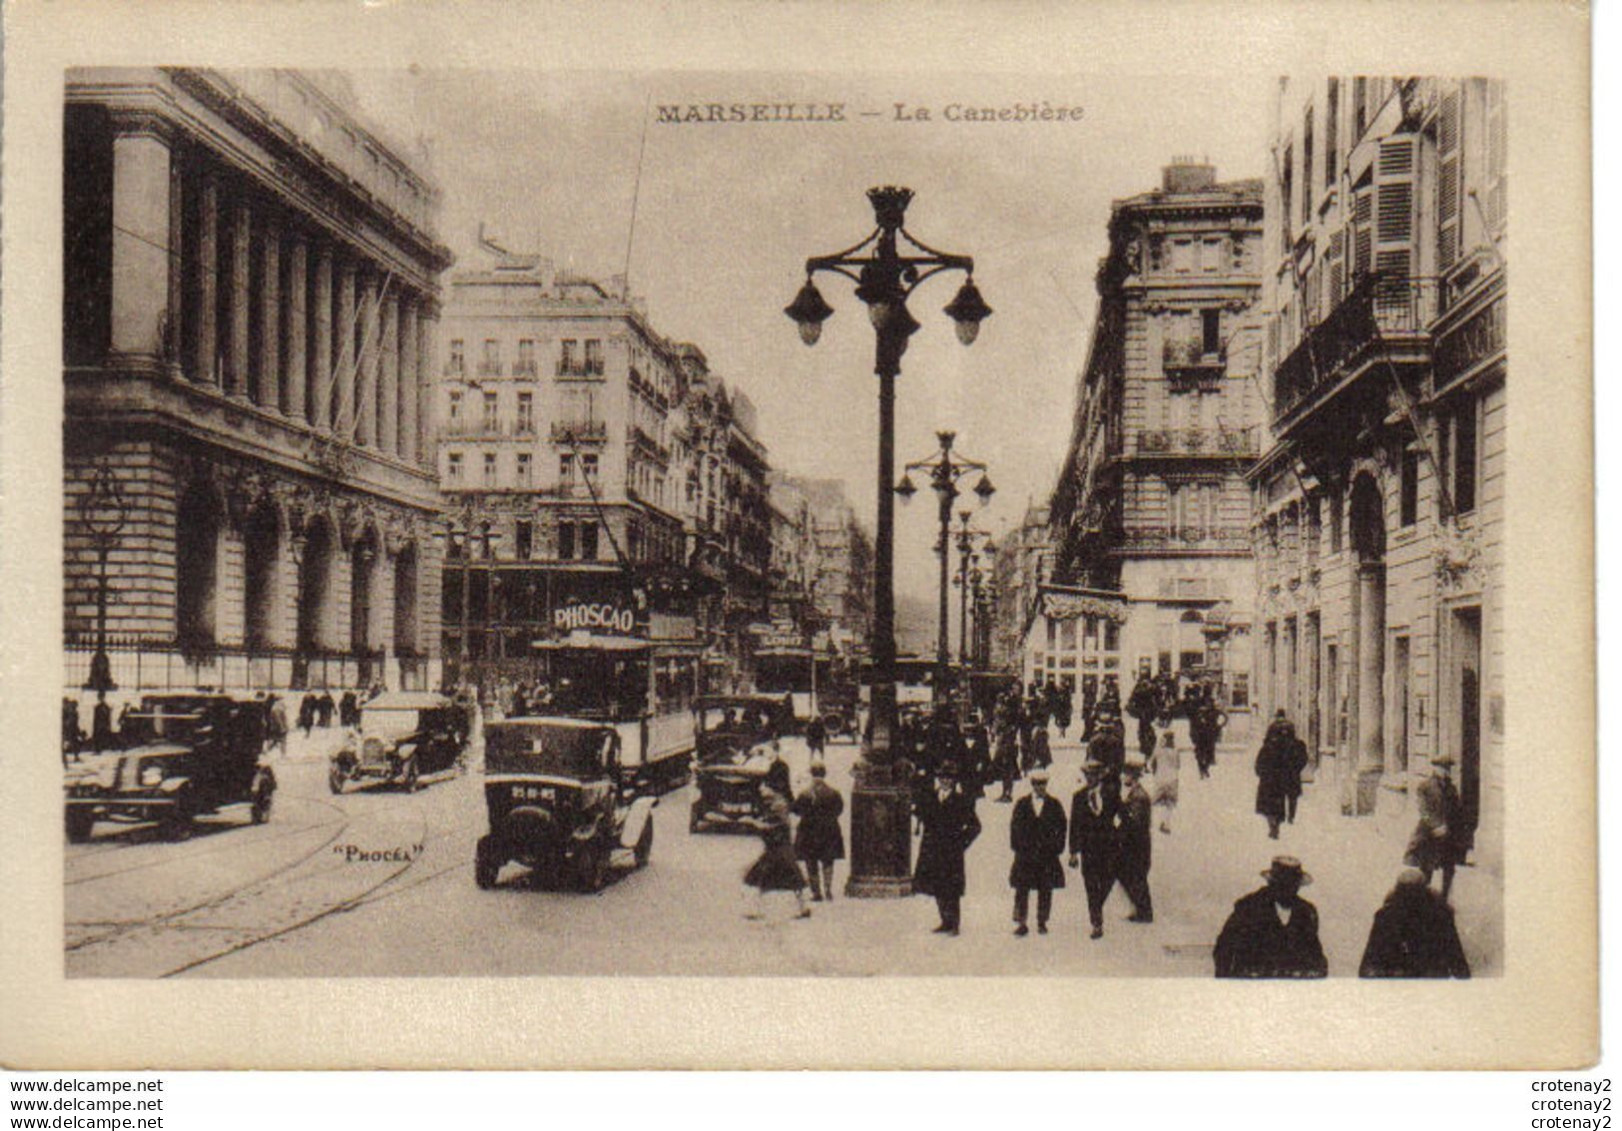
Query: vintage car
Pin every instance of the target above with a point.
(560, 803)
(403, 736)
(734, 733)
(180, 757)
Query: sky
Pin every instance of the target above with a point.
(726, 215)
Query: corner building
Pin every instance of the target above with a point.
(1378, 506)
(1152, 560)
(250, 299)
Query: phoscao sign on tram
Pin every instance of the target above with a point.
(584, 616)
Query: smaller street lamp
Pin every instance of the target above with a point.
(102, 513)
(945, 468)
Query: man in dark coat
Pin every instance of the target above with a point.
(348, 710)
(1092, 839)
(1438, 838)
(1066, 708)
(1132, 841)
(1273, 932)
(1205, 731)
(1413, 935)
(818, 841)
(324, 708)
(1279, 763)
(1144, 704)
(950, 826)
(1036, 835)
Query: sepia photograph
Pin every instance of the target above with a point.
(468, 570)
(615, 528)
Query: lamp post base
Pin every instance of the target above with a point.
(880, 835)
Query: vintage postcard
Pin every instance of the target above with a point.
(559, 537)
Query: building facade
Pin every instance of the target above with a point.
(1378, 507)
(250, 299)
(555, 401)
(1151, 504)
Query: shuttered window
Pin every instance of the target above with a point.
(1448, 194)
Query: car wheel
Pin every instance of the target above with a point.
(336, 779)
(80, 822)
(644, 844)
(591, 868)
(177, 825)
(487, 863)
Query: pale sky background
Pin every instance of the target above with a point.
(728, 214)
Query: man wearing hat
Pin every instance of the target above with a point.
(1413, 935)
(949, 826)
(1037, 837)
(1439, 839)
(1132, 841)
(818, 841)
(1273, 933)
(1092, 838)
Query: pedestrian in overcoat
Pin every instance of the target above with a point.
(1414, 935)
(1168, 765)
(325, 708)
(1092, 838)
(1273, 932)
(950, 827)
(1438, 838)
(1007, 759)
(1279, 763)
(1144, 704)
(1132, 841)
(1036, 835)
(1205, 731)
(818, 841)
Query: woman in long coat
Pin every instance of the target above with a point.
(775, 869)
(950, 826)
(1278, 772)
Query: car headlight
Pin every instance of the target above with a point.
(151, 776)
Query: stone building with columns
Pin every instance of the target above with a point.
(250, 301)
(1378, 503)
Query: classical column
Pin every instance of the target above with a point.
(321, 362)
(296, 343)
(141, 239)
(366, 378)
(204, 364)
(343, 359)
(410, 446)
(1370, 677)
(269, 392)
(388, 399)
(236, 352)
(427, 432)
(174, 346)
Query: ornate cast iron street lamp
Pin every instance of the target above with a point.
(968, 574)
(102, 514)
(887, 267)
(945, 468)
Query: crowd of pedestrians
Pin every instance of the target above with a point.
(959, 756)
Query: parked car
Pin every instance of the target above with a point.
(560, 803)
(181, 757)
(403, 736)
(733, 759)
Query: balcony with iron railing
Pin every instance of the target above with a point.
(1220, 443)
(525, 367)
(579, 431)
(1183, 538)
(580, 368)
(1382, 317)
(489, 368)
(1187, 362)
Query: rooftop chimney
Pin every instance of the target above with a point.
(1188, 174)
